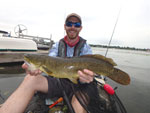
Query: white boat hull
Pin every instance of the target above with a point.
(17, 44)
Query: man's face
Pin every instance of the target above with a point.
(72, 31)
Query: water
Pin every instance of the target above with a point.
(135, 97)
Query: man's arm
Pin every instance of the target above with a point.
(54, 50)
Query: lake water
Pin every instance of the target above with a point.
(135, 97)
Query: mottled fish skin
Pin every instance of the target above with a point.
(67, 67)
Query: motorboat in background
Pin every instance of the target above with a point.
(9, 43)
(13, 48)
(17, 44)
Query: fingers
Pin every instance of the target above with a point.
(86, 76)
(34, 73)
(24, 66)
(31, 72)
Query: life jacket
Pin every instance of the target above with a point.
(62, 48)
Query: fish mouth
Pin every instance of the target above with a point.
(30, 65)
(26, 60)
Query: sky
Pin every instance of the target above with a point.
(44, 18)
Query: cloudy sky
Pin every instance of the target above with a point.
(46, 17)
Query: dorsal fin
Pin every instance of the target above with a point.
(100, 57)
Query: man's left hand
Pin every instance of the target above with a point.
(86, 76)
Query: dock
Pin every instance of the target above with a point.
(11, 56)
(11, 62)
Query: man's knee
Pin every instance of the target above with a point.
(39, 82)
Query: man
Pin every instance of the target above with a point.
(71, 45)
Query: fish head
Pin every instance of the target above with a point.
(33, 61)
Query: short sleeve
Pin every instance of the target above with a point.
(54, 50)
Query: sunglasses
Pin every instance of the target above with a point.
(76, 24)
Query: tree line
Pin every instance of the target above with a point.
(119, 47)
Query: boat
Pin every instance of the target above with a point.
(16, 44)
(12, 50)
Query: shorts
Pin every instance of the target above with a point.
(87, 93)
(54, 90)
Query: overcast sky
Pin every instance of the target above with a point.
(46, 17)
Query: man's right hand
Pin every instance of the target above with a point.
(32, 73)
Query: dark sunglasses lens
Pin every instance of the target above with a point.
(77, 24)
(69, 24)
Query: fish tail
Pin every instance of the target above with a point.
(120, 76)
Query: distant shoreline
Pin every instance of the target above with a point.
(118, 47)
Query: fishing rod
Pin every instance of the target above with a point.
(112, 35)
(113, 32)
(121, 106)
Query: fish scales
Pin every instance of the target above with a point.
(68, 67)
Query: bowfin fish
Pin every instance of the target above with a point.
(67, 67)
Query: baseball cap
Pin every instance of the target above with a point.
(74, 15)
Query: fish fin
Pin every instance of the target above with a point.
(74, 80)
(101, 57)
(45, 70)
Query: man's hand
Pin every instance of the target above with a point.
(32, 73)
(86, 76)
